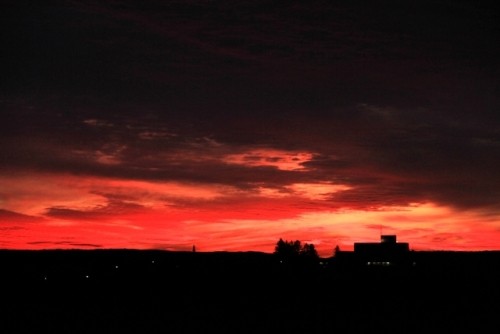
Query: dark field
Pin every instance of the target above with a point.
(174, 292)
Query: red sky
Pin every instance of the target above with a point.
(230, 125)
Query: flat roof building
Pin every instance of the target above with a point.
(387, 252)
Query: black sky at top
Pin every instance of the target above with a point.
(250, 55)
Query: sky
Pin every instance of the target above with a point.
(231, 124)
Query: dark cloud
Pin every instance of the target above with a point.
(179, 247)
(245, 56)
(397, 100)
(7, 216)
(65, 243)
(112, 208)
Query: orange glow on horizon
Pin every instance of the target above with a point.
(64, 211)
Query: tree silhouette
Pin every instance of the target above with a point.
(336, 251)
(309, 251)
(294, 251)
(287, 250)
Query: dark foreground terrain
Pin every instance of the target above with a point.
(174, 292)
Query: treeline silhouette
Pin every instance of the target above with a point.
(291, 290)
(290, 257)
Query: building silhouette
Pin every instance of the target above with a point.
(387, 252)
